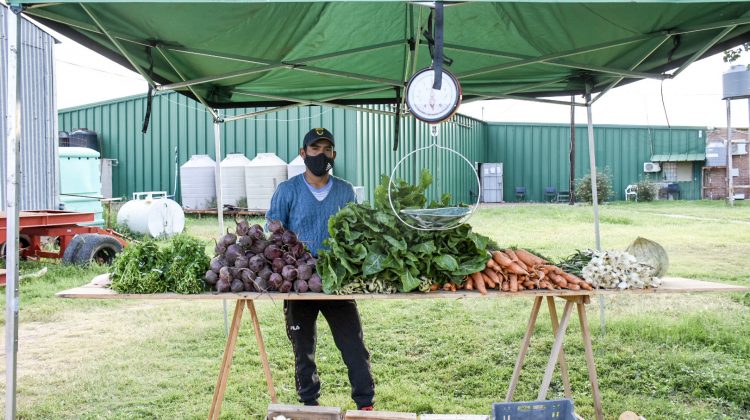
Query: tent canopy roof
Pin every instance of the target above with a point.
(258, 53)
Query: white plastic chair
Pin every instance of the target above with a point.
(631, 192)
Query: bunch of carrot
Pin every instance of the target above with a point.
(515, 270)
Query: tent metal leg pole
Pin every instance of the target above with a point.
(594, 193)
(12, 144)
(219, 205)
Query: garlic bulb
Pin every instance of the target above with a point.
(618, 270)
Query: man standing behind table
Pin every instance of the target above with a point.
(303, 204)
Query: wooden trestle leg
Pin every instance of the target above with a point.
(262, 352)
(226, 362)
(590, 361)
(524, 349)
(561, 359)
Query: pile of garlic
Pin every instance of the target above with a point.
(618, 269)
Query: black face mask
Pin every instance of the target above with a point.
(318, 164)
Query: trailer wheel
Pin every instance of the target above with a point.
(69, 256)
(24, 242)
(97, 248)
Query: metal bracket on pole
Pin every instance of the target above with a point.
(213, 113)
(12, 144)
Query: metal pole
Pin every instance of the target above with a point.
(219, 205)
(572, 181)
(12, 149)
(730, 181)
(594, 193)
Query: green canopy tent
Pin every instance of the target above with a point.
(239, 53)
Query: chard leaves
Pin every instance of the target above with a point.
(370, 243)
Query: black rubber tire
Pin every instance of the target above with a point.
(23, 240)
(69, 256)
(99, 248)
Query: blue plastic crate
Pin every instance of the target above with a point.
(534, 410)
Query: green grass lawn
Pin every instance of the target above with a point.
(664, 357)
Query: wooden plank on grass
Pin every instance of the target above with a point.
(378, 415)
(298, 412)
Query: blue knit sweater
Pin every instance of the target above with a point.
(299, 211)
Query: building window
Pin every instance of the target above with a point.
(677, 171)
(669, 171)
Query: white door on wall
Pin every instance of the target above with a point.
(106, 174)
(492, 182)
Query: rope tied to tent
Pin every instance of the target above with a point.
(150, 95)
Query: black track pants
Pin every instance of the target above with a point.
(343, 318)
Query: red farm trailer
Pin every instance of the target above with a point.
(77, 244)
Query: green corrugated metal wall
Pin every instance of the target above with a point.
(364, 141)
(536, 156)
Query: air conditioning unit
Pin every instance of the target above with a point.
(651, 167)
(739, 148)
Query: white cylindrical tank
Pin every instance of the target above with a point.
(233, 178)
(153, 214)
(197, 183)
(262, 176)
(297, 166)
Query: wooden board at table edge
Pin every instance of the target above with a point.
(97, 290)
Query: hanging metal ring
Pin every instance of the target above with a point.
(461, 220)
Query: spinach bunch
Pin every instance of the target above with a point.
(368, 244)
(146, 268)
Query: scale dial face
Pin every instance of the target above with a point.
(430, 105)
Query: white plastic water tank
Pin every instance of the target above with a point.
(233, 178)
(297, 166)
(262, 175)
(152, 213)
(197, 183)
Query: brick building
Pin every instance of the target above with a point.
(715, 177)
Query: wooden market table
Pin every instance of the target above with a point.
(98, 289)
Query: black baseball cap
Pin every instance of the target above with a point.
(317, 134)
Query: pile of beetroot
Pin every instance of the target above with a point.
(252, 261)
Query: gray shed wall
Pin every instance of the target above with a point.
(38, 182)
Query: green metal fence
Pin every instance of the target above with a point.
(536, 156)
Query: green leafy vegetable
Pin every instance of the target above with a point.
(145, 268)
(371, 251)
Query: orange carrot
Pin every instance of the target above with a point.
(571, 278)
(434, 286)
(585, 285)
(512, 255)
(469, 284)
(529, 258)
(558, 279)
(493, 276)
(572, 286)
(488, 282)
(447, 287)
(452, 286)
(513, 283)
(501, 259)
(505, 287)
(528, 284)
(479, 283)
